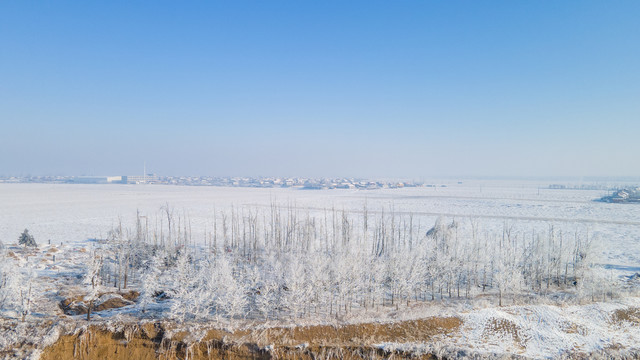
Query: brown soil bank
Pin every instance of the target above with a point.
(151, 341)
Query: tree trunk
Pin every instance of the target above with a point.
(89, 310)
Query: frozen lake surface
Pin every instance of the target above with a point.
(75, 213)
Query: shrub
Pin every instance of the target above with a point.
(27, 239)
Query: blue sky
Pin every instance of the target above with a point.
(333, 88)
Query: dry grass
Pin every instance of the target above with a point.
(630, 315)
(407, 331)
(76, 305)
(572, 328)
(504, 327)
(149, 341)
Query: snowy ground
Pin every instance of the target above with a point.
(542, 331)
(69, 215)
(74, 213)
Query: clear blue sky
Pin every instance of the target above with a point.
(315, 88)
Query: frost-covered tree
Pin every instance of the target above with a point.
(150, 280)
(27, 239)
(10, 284)
(199, 298)
(16, 287)
(181, 286)
(280, 264)
(265, 297)
(296, 291)
(92, 283)
(26, 293)
(230, 293)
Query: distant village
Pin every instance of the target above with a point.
(259, 182)
(617, 195)
(631, 195)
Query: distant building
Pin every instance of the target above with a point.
(345, 185)
(98, 179)
(557, 186)
(140, 179)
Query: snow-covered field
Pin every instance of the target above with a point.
(71, 215)
(74, 213)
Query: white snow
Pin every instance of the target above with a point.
(75, 212)
(69, 215)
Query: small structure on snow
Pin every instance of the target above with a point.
(631, 195)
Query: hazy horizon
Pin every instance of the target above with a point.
(362, 89)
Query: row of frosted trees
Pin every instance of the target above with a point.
(16, 282)
(282, 262)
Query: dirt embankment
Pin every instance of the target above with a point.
(151, 341)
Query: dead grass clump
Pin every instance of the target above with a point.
(131, 295)
(73, 305)
(76, 305)
(572, 328)
(505, 327)
(631, 315)
(113, 303)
